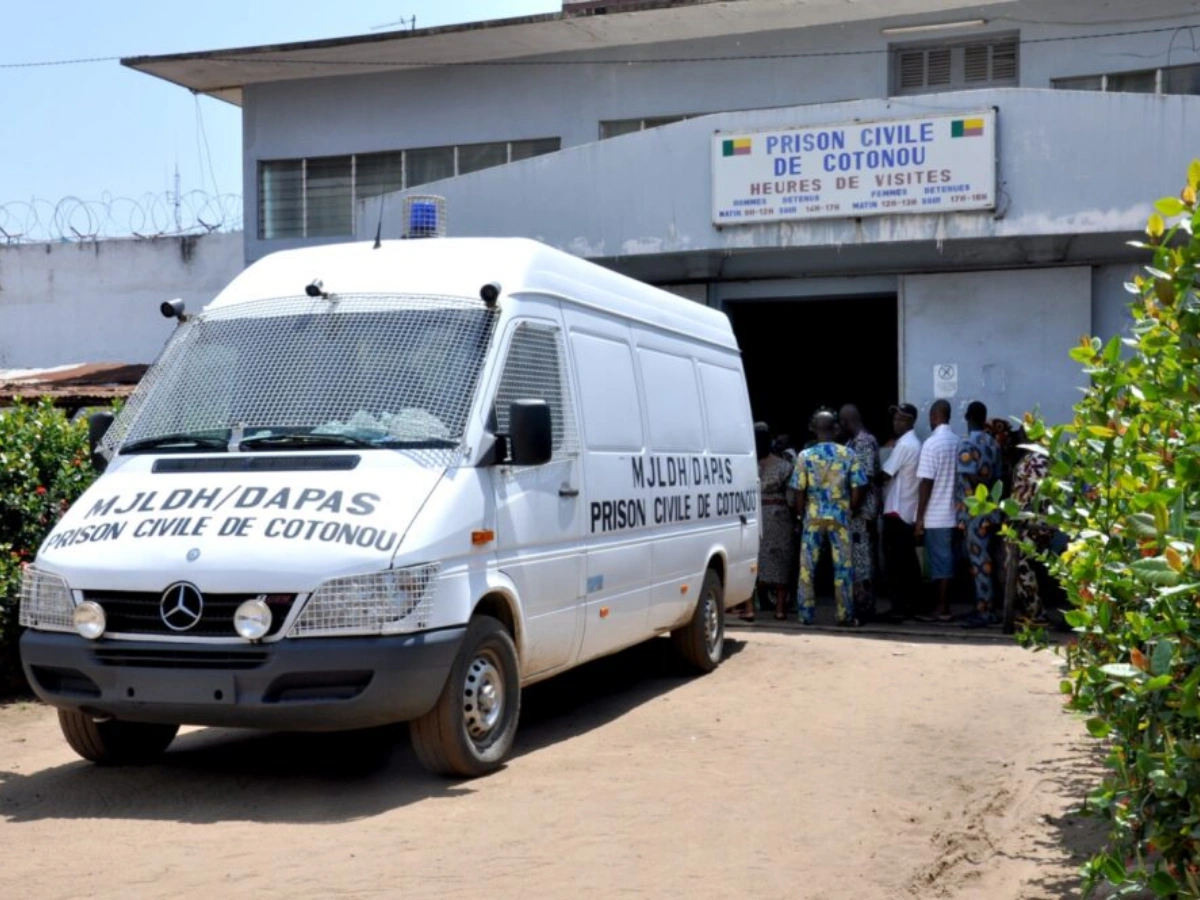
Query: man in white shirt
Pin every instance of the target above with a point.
(900, 503)
(937, 517)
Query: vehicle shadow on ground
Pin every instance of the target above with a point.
(215, 775)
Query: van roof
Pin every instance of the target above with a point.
(459, 267)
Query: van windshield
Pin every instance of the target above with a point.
(303, 373)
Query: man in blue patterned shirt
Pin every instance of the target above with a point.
(828, 481)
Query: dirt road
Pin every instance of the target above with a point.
(807, 766)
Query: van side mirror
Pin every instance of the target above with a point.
(98, 425)
(530, 436)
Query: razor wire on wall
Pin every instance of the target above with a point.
(152, 215)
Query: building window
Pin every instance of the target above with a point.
(921, 68)
(617, 127)
(1167, 80)
(315, 197)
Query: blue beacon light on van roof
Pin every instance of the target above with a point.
(424, 217)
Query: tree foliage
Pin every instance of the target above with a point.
(1124, 483)
(44, 466)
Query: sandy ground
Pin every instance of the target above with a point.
(807, 766)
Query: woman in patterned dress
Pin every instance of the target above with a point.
(775, 549)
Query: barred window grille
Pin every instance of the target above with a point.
(952, 66)
(382, 368)
(535, 369)
(315, 196)
(1184, 79)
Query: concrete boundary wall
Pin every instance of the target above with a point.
(97, 301)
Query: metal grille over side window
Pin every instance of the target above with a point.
(535, 370)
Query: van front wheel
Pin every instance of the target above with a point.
(470, 730)
(110, 742)
(702, 640)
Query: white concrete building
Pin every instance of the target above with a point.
(892, 201)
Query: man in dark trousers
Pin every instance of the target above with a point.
(901, 496)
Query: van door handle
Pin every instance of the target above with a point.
(567, 491)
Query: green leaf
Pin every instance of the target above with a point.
(1169, 206)
(1113, 869)
(1193, 174)
(1163, 884)
(1156, 571)
(1121, 670)
(1098, 728)
(1160, 660)
(1157, 684)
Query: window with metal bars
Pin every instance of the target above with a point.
(1166, 80)
(535, 369)
(918, 69)
(315, 197)
(617, 127)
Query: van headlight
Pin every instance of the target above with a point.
(394, 601)
(46, 602)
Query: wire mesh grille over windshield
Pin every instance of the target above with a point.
(394, 369)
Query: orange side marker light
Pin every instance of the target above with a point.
(604, 612)
(483, 536)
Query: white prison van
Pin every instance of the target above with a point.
(370, 485)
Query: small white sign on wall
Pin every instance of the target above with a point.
(945, 381)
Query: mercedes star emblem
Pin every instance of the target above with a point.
(181, 606)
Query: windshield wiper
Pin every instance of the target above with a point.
(309, 440)
(305, 439)
(181, 441)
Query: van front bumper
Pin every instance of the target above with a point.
(298, 684)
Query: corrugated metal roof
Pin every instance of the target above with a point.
(588, 27)
(74, 386)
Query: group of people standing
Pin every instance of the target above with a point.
(842, 493)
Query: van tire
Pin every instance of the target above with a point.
(702, 640)
(111, 742)
(443, 738)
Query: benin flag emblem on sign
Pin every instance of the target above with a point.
(966, 128)
(738, 147)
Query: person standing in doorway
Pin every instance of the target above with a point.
(937, 471)
(979, 465)
(864, 520)
(900, 502)
(776, 548)
(829, 483)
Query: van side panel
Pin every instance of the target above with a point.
(730, 431)
(670, 475)
(619, 557)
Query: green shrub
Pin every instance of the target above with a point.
(1124, 483)
(44, 466)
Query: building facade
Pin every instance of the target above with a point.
(932, 203)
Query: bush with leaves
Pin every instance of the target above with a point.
(44, 466)
(1124, 483)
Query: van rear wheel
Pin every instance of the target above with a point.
(702, 640)
(470, 730)
(111, 742)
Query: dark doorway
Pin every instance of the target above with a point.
(801, 354)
